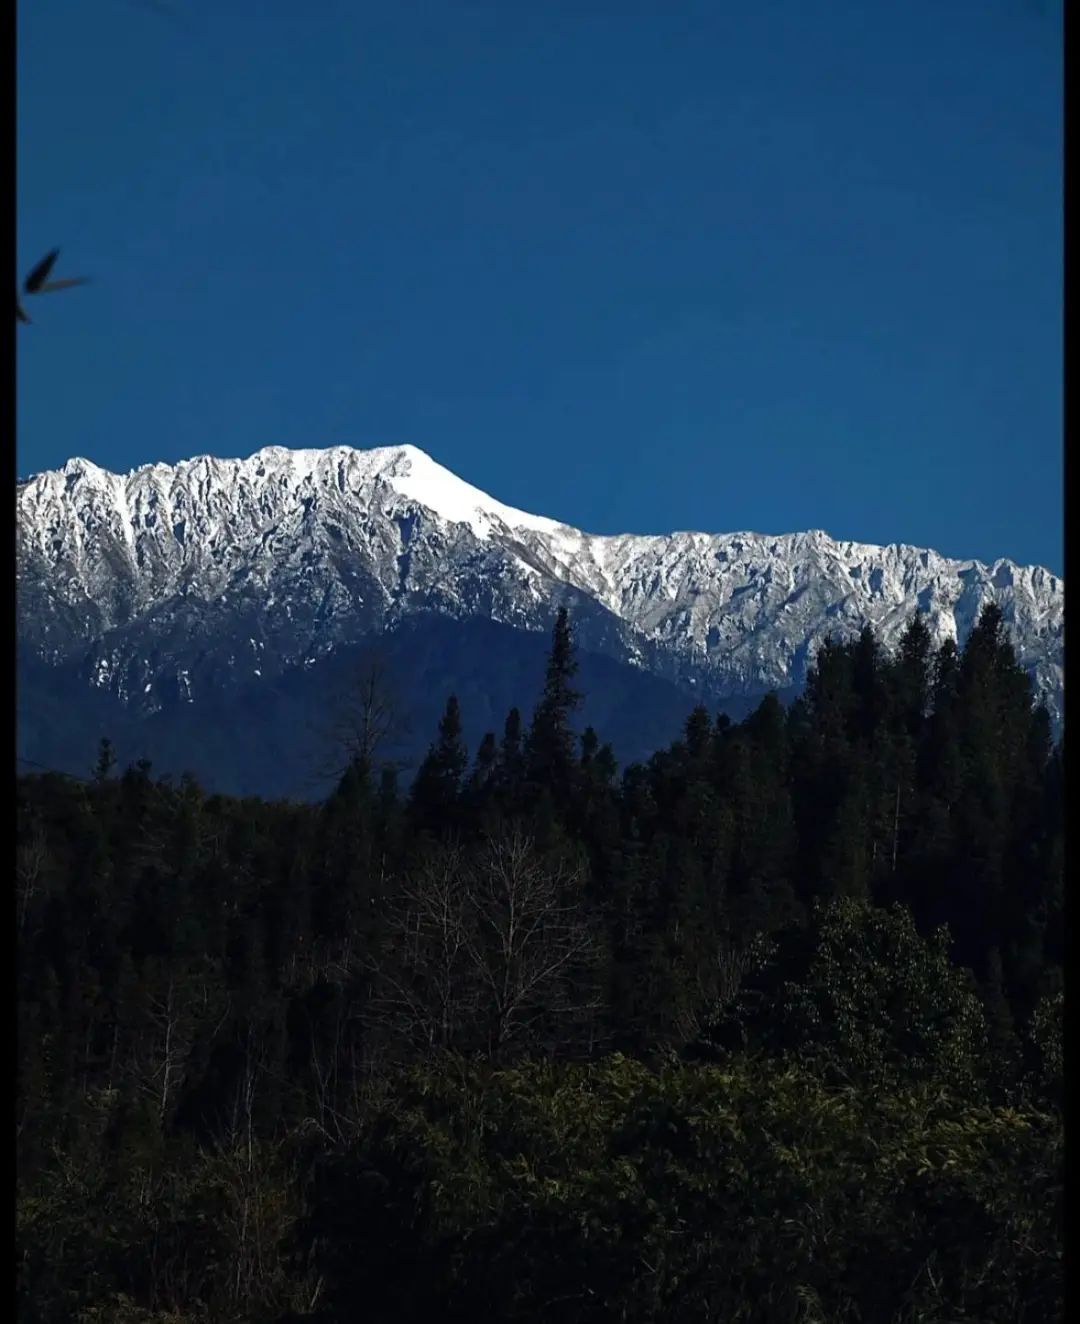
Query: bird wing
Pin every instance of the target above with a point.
(60, 284)
(19, 314)
(40, 273)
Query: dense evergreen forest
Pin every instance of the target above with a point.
(765, 1029)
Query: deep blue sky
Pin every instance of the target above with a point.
(637, 266)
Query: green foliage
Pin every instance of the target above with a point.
(863, 997)
(192, 1235)
(354, 1060)
(747, 1193)
(1046, 1050)
(550, 745)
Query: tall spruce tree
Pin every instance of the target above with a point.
(912, 673)
(484, 768)
(764, 830)
(510, 762)
(867, 681)
(698, 734)
(550, 748)
(438, 781)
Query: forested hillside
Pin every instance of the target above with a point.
(765, 1029)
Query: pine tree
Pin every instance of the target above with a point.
(995, 717)
(698, 733)
(867, 682)
(823, 728)
(763, 831)
(830, 690)
(550, 748)
(912, 673)
(438, 782)
(344, 882)
(510, 762)
(847, 861)
(485, 766)
(605, 765)
(945, 676)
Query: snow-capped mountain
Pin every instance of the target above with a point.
(175, 580)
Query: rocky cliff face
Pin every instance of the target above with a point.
(174, 582)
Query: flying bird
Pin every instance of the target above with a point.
(38, 282)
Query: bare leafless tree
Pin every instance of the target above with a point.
(488, 950)
(168, 1011)
(182, 1006)
(715, 986)
(423, 990)
(365, 721)
(31, 857)
(529, 943)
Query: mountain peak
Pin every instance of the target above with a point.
(406, 469)
(316, 547)
(414, 475)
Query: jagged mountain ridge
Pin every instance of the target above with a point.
(174, 579)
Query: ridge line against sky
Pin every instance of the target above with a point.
(778, 266)
(490, 503)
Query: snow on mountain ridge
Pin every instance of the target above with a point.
(318, 544)
(407, 469)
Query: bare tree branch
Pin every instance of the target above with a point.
(365, 722)
(481, 950)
